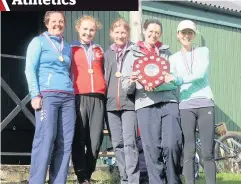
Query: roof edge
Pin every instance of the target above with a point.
(207, 7)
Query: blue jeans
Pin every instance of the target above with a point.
(53, 138)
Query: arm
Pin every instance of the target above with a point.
(176, 80)
(72, 65)
(31, 67)
(104, 66)
(128, 86)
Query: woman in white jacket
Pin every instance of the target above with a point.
(189, 69)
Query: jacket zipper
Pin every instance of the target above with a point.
(118, 94)
(92, 82)
(49, 77)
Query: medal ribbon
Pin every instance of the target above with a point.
(89, 55)
(189, 69)
(61, 46)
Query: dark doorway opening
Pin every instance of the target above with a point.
(17, 30)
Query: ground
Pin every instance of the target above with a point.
(19, 174)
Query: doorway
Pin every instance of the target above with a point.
(17, 30)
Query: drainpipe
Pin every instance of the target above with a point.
(135, 24)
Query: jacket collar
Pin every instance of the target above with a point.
(137, 47)
(142, 45)
(54, 37)
(77, 43)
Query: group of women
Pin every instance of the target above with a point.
(74, 85)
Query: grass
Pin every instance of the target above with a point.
(101, 177)
(105, 177)
(223, 178)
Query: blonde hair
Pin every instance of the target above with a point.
(89, 18)
(120, 22)
(49, 13)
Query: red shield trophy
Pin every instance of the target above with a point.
(151, 70)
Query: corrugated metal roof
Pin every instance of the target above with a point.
(232, 5)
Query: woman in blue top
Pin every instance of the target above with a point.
(47, 71)
(189, 69)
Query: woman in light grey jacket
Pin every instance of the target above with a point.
(157, 111)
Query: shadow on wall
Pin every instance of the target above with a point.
(221, 116)
(203, 42)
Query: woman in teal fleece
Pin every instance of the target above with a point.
(48, 62)
(189, 69)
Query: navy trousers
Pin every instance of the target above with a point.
(53, 138)
(162, 142)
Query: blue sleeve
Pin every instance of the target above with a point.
(31, 67)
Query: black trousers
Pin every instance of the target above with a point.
(88, 134)
(204, 119)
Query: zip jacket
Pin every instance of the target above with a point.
(117, 99)
(44, 71)
(144, 98)
(85, 82)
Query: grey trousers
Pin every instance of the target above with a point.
(123, 127)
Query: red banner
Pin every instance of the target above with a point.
(4, 5)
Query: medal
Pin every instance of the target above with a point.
(90, 71)
(61, 58)
(61, 46)
(118, 74)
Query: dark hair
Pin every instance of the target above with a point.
(152, 21)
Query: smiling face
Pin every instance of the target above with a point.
(152, 33)
(120, 35)
(55, 24)
(186, 37)
(86, 30)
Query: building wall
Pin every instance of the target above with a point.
(104, 17)
(223, 38)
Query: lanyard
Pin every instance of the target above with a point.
(189, 69)
(156, 49)
(61, 46)
(119, 64)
